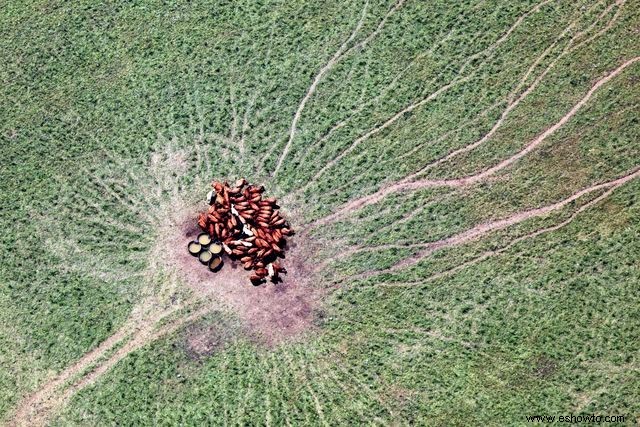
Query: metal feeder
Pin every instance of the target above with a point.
(215, 248)
(205, 256)
(215, 264)
(204, 239)
(194, 248)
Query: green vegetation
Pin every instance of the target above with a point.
(115, 116)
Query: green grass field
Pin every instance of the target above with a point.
(463, 177)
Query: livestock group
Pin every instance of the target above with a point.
(245, 226)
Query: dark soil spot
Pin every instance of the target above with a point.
(203, 340)
(545, 367)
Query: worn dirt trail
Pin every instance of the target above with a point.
(329, 65)
(514, 99)
(485, 228)
(271, 313)
(144, 337)
(31, 406)
(37, 408)
(503, 249)
(337, 57)
(400, 186)
(457, 81)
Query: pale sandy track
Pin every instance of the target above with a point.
(310, 91)
(27, 409)
(513, 99)
(381, 24)
(35, 409)
(414, 150)
(458, 80)
(503, 249)
(341, 53)
(385, 125)
(485, 228)
(361, 107)
(141, 339)
(513, 103)
(357, 204)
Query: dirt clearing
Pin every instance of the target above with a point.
(271, 312)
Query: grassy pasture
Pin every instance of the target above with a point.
(115, 116)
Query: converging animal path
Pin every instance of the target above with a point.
(407, 184)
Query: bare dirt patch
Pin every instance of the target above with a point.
(203, 340)
(271, 313)
(544, 367)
